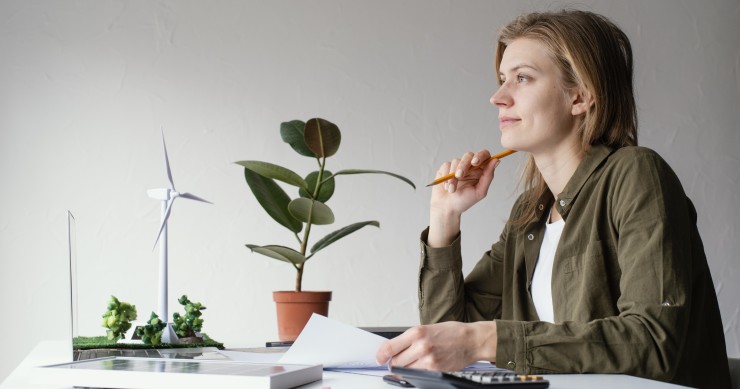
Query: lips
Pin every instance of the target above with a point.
(505, 121)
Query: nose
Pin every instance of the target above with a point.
(501, 98)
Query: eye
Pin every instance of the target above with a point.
(522, 78)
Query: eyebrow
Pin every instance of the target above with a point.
(520, 66)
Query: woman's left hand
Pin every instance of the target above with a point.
(447, 346)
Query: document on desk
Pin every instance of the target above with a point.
(335, 345)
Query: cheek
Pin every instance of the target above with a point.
(552, 111)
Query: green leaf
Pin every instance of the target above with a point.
(322, 137)
(327, 188)
(341, 233)
(292, 134)
(276, 172)
(362, 171)
(282, 253)
(311, 211)
(273, 199)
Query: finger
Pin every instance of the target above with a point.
(420, 364)
(451, 184)
(392, 347)
(453, 165)
(484, 182)
(464, 165)
(444, 169)
(402, 348)
(385, 352)
(480, 157)
(407, 357)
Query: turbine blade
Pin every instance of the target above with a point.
(167, 163)
(194, 197)
(164, 220)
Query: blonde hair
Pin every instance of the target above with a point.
(593, 54)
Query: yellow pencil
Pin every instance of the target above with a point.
(452, 175)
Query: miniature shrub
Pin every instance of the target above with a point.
(117, 319)
(151, 333)
(191, 322)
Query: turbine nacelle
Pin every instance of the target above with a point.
(162, 194)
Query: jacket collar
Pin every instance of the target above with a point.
(594, 157)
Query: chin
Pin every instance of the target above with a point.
(514, 140)
(511, 144)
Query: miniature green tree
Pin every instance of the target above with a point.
(187, 325)
(117, 319)
(151, 333)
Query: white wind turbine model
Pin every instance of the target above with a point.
(167, 196)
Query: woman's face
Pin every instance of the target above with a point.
(535, 111)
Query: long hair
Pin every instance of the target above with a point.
(592, 53)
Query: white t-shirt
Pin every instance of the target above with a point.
(542, 278)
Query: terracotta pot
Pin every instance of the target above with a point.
(295, 308)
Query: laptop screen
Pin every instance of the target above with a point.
(72, 236)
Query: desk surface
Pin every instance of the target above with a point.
(53, 352)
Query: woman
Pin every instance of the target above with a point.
(600, 268)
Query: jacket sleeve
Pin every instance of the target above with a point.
(445, 296)
(652, 221)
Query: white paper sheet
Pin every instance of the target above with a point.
(334, 345)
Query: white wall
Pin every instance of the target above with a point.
(86, 85)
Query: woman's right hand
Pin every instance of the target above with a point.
(455, 196)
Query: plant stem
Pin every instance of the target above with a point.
(319, 183)
(298, 278)
(307, 231)
(304, 245)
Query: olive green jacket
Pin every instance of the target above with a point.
(631, 289)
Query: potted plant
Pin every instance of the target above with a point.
(317, 139)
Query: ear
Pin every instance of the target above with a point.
(581, 101)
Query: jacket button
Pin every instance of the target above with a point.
(541, 207)
(530, 237)
(511, 365)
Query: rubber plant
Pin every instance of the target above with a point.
(317, 139)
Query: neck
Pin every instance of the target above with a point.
(558, 166)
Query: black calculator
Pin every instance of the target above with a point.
(465, 379)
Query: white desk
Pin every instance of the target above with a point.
(50, 352)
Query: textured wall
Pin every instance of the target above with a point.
(86, 85)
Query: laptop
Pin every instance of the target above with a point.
(161, 368)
